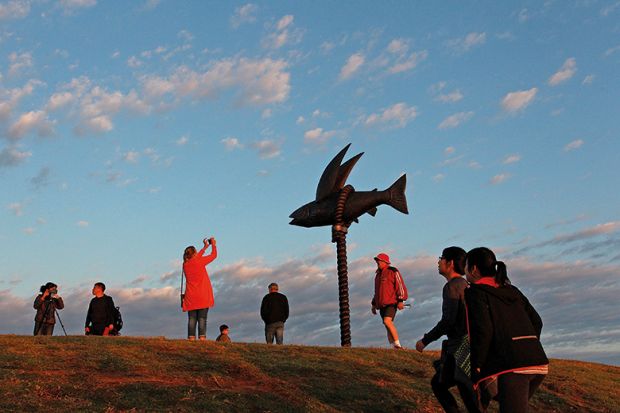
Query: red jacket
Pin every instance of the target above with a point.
(198, 291)
(389, 288)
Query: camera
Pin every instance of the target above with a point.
(208, 240)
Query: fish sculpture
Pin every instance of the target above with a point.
(322, 211)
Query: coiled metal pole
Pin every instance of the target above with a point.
(339, 236)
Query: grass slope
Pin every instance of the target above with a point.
(110, 374)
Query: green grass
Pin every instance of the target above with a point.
(113, 374)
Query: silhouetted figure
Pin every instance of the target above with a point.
(101, 311)
(46, 304)
(274, 312)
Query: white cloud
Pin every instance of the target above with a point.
(327, 47)
(267, 148)
(568, 70)
(244, 14)
(397, 116)
(150, 4)
(519, 100)
(408, 62)
(231, 143)
(612, 50)
(588, 80)
(300, 120)
(134, 62)
(11, 156)
(398, 46)
(14, 9)
(474, 165)
(59, 100)
(93, 107)
(511, 159)
(131, 156)
(185, 35)
(439, 177)
(607, 10)
(283, 33)
(19, 62)
(571, 146)
(260, 82)
(266, 113)
(354, 62)
(183, 140)
(318, 136)
(17, 208)
(71, 5)
(464, 44)
(34, 121)
(29, 231)
(455, 120)
(498, 179)
(82, 224)
(451, 97)
(10, 99)
(449, 150)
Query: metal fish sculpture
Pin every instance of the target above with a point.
(322, 211)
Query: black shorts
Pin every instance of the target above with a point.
(388, 311)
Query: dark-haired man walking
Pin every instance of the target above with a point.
(451, 266)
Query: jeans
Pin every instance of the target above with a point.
(441, 383)
(515, 390)
(41, 329)
(274, 329)
(200, 317)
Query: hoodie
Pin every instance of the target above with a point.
(504, 331)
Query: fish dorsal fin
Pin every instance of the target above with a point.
(345, 170)
(330, 175)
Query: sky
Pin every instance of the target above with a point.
(130, 130)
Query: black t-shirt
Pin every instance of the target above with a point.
(100, 311)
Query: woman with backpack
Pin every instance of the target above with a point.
(198, 296)
(504, 333)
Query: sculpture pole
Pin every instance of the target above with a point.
(339, 205)
(339, 236)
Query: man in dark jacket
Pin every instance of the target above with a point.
(451, 266)
(100, 316)
(274, 312)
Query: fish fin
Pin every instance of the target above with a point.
(344, 171)
(397, 198)
(330, 175)
(372, 211)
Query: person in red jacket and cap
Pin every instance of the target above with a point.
(390, 294)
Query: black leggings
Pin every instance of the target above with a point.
(444, 380)
(515, 391)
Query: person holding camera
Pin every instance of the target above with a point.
(46, 304)
(100, 315)
(198, 296)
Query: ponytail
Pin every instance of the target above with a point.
(487, 264)
(501, 276)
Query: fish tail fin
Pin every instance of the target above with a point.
(396, 195)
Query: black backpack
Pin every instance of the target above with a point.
(118, 321)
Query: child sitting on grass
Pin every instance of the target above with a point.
(223, 337)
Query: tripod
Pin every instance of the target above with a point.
(50, 308)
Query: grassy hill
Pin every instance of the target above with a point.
(112, 374)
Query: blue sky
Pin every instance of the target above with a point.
(128, 132)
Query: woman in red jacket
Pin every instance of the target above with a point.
(198, 296)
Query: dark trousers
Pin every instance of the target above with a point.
(97, 329)
(443, 380)
(515, 391)
(43, 329)
(197, 317)
(274, 330)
